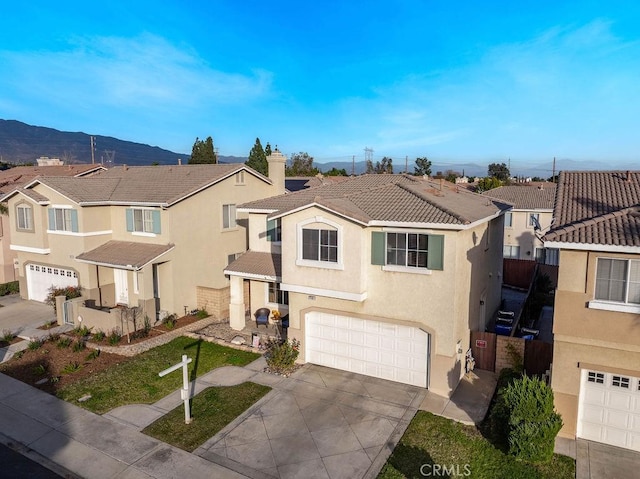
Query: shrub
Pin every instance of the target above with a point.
(7, 336)
(170, 321)
(516, 359)
(64, 342)
(18, 354)
(99, 335)
(35, 344)
(39, 370)
(281, 356)
(202, 313)
(93, 355)
(81, 331)
(147, 325)
(114, 337)
(53, 336)
(9, 288)
(71, 368)
(525, 416)
(79, 346)
(68, 292)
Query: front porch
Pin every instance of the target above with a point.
(223, 331)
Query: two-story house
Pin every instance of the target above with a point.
(596, 354)
(152, 237)
(15, 178)
(528, 220)
(383, 275)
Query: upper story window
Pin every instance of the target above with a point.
(143, 220)
(618, 280)
(63, 219)
(274, 230)
(508, 220)
(534, 220)
(24, 217)
(320, 245)
(228, 216)
(240, 177)
(409, 251)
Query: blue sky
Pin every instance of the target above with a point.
(454, 81)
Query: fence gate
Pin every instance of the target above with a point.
(67, 312)
(483, 348)
(538, 356)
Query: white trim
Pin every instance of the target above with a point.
(339, 265)
(140, 204)
(257, 210)
(128, 267)
(260, 277)
(73, 233)
(293, 288)
(62, 207)
(29, 249)
(136, 289)
(141, 233)
(612, 306)
(592, 247)
(405, 269)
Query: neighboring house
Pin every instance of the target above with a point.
(297, 183)
(529, 219)
(383, 275)
(155, 237)
(15, 178)
(596, 355)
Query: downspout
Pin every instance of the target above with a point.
(99, 289)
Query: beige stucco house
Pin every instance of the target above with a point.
(596, 356)
(14, 178)
(383, 275)
(153, 237)
(529, 219)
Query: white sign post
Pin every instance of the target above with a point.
(184, 392)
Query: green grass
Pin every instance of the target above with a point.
(136, 381)
(437, 441)
(211, 411)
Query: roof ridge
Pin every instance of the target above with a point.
(432, 203)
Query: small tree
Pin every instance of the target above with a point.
(69, 292)
(525, 415)
(202, 152)
(423, 166)
(486, 184)
(336, 172)
(258, 158)
(301, 165)
(499, 170)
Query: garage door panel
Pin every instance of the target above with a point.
(607, 411)
(41, 278)
(383, 350)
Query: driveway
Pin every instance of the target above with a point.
(321, 423)
(18, 314)
(596, 460)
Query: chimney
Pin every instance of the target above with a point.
(277, 162)
(179, 161)
(628, 176)
(124, 168)
(441, 183)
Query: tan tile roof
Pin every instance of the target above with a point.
(597, 207)
(388, 198)
(254, 263)
(162, 184)
(526, 197)
(34, 195)
(124, 254)
(15, 178)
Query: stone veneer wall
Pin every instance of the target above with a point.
(215, 301)
(503, 359)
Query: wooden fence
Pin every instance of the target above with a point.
(518, 272)
(485, 347)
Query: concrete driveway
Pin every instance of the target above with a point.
(596, 460)
(321, 423)
(18, 314)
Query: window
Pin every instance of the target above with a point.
(24, 215)
(594, 377)
(274, 230)
(320, 245)
(140, 220)
(618, 280)
(240, 177)
(278, 296)
(228, 216)
(620, 382)
(540, 255)
(407, 250)
(508, 220)
(510, 251)
(551, 256)
(534, 220)
(63, 219)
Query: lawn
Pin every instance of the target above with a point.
(211, 411)
(433, 442)
(137, 381)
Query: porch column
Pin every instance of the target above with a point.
(236, 304)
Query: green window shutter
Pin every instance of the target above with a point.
(271, 230)
(52, 219)
(156, 221)
(377, 247)
(74, 221)
(435, 254)
(129, 213)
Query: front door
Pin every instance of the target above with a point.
(122, 286)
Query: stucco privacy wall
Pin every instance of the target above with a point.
(506, 347)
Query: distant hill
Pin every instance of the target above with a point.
(22, 143)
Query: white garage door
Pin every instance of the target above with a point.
(40, 278)
(609, 409)
(363, 346)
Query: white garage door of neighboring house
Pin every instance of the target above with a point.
(40, 278)
(364, 346)
(609, 409)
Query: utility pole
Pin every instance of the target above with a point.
(368, 155)
(353, 165)
(93, 149)
(553, 171)
(406, 164)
